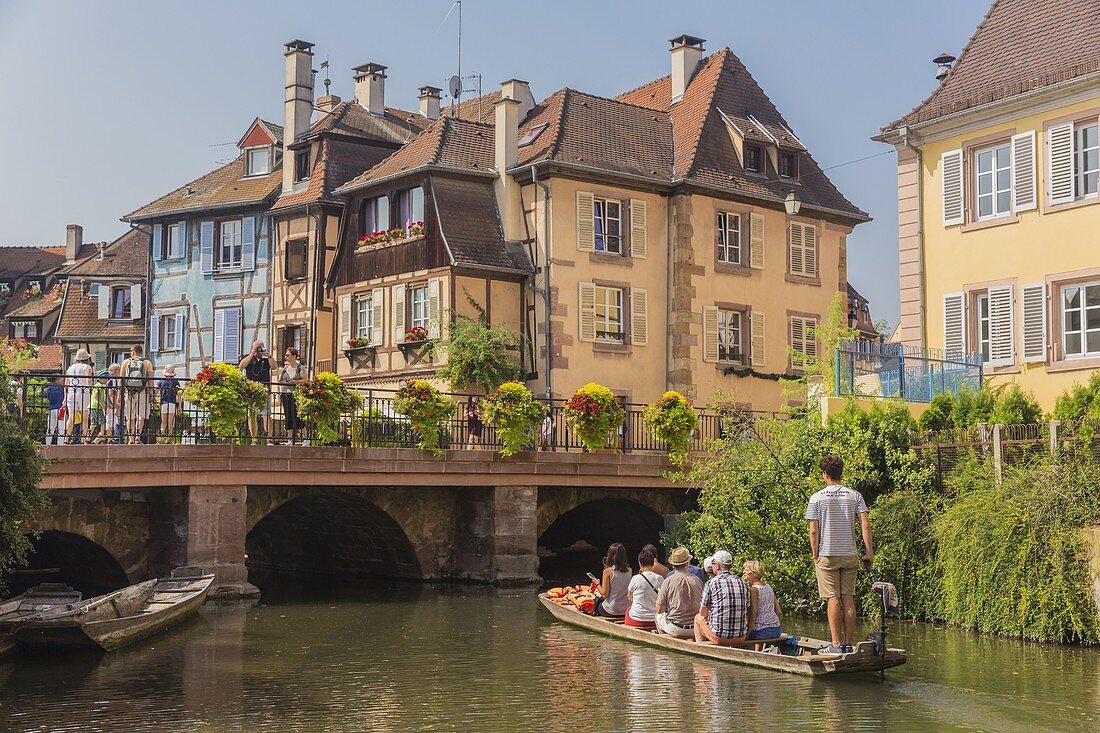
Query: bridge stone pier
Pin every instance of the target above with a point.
(468, 515)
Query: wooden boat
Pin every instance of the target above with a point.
(52, 615)
(798, 657)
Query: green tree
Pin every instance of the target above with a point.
(829, 332)
(480, 355)
(1079, 401)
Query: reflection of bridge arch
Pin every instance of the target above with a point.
(70, 558)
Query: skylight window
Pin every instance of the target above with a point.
(531, 135)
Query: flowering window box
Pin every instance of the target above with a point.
(389, 237)
(415, 350)
(360, 352)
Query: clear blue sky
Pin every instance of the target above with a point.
(109, 104)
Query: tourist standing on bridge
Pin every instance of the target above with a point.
(832, 514)
(474, 425)
(258, 366)
(78, 393)
(137, 375)
(55, 400)
(291, 375)
(169, 388)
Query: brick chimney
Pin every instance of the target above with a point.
(328, 103)
(298, 102)
(506, 154)
(429, 102)
(74, 239)
(370, 87)
(686, 53)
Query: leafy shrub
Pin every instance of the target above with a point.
(427, 408)
(671, 419)
(515, 413)
(324, 399)
(228, 397)
(1079, 401)
(480, 355)
(1007, 404)
(594, 414)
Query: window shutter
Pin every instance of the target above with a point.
(181, 328)
(184, 249)
(756, 326)
(345, 320)
(377, 316)
(639, 247)
(135, 302)
(1001, 330)
(586, 228)
(639, 317)
(154, 333)
(1034, 328)
(158, 241)
(100, 361)
(232, 335)
(794, 244)
(756, 241)
(206, 247)
(951, 170)
(248, 244)
(1060, 164)
(219, 334)
(809, 250)
(1023, 171)
(710, 333)
(954, 323)
(797, 341)
(809, 346)
(433, 308)
(104, 302)
(587, 312)
(398, 314)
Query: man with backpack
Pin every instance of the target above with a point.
(137, 371)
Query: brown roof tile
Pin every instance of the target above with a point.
(18, 261)
(80, 318)
(471, 224)
(352, 118)
(477, 109)
(1020, 46)
(127, 256)
(37, 307)
(47, 358)
(224, 187)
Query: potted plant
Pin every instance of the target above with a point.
(416, 335)
(671, 420)
(594, 414)
(226, 395)
(427, 409)
(325, 400)
(513, 410)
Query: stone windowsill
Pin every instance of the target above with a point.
(803, 280)
(610, 258)
(604, 347)
(731, 269)
(987, 223)
(1072, 365)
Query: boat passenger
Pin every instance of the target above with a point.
(642, 592)
(658, 567)
(679, 598)
(768, 611)
(726, 613)
(614, 582)
(707, 565)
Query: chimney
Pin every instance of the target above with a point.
(507, 153)
(298, 102)
(520, 91)
(429, 102)
(74, 238)
(328, 103)
(943, 65)
(686, 53)
(370, 87)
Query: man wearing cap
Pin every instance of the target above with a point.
(679, 597)
(726, 611)
(78, 393)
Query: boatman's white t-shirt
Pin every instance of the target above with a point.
(836, 508)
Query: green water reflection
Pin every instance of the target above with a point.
(415, 658)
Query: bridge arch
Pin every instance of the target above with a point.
(67, 557)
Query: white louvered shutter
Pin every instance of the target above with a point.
(182, 248)
(586, 228)
(756, 241)
(219, 334)
(794, 244)
(181, 328)
(158, 241)
(710, 333)
(587, 311)
(951, 171)
(1023, 171)
(954, 324)
(639, 247)
(398, 314)
(756, 325)
(345, 320)
(639, 317)
(103, 302)
(1060, 164)
(433, 308)
(248, 244)
(135, 302)
(1001, 326)
(233, 335)
(377, 300)
(206, 247)
(1034, 326)
(809, 251)
(154, 333)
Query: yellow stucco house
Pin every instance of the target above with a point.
(998, 173)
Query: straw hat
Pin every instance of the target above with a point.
(679, 556)
(83, 355)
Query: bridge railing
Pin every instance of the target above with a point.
(75, 410)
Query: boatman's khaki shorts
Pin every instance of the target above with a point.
(836, 576)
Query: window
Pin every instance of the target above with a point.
(302, 169)
(418, 306)
(257, 161)
(296, 259)
(168, 333)
(993, 171)
(802, 248)
(803, 341)
(1086, 160)
(229, 244)
(292, 339)
(608, 222)
(531, 135)
(788, 165)
(364, 319)
(609, 315)
(173, 244)
(981, 326)
(1081, 320)
(754, 158)
(729, 238)
(24, 330)
(729, 336)
(374, 215)
(410, 207)
(120, 302)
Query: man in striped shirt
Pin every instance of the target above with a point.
(832, 514)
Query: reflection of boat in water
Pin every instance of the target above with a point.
(52, 615)
(802, 659)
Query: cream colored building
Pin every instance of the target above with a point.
(997, 184)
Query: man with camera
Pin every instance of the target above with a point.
(257, 366)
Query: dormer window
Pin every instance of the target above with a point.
(788, 164)
(257, 161)
(410, 206)
(302, 168)
(754, 158)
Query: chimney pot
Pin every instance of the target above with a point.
(328, 102)
(686, 53)
(74, 240)
(370, 87)
(429, 101)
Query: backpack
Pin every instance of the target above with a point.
(134, 376)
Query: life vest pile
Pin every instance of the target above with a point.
(581, 597)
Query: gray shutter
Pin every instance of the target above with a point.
(154, 332)
(1060, 164)
(184, 245)
(1001, 326)
(219, 334)
(181, 329)
(398, 314)
(232, 344)
(954, 323)
(206, 247)
(1023, 171)
(434, 310)
(248, 244)
(158, 242)
(951, 172)
(104, 302)
(135, 302)
(1034, 327)
(377, 301)
(345, 320)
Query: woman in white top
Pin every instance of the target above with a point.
(78, 393)
(642, 592)
(613, 584)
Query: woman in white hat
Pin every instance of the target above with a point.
(78, 392)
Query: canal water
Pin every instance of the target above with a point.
(451, 658)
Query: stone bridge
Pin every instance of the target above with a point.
(123, 513)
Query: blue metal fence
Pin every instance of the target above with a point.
(913, 374)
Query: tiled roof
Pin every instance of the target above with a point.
(18, 261)
(477, 109)
(80, 319)
(352, 118)
(471, 225)
(224, 187)
(47, 358)
(35, 307)
(1020, 46)
(127, 256)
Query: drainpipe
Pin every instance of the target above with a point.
(920, 235)
(668, 292)
(319, 247)
(546, 270)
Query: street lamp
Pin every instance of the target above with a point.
(792, 203)
(852, 318)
